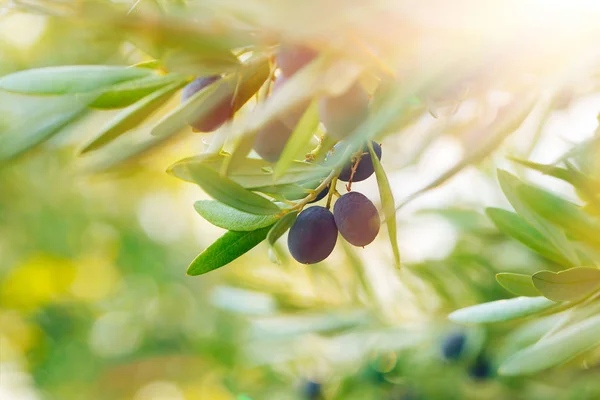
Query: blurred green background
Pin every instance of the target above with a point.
(95, 303)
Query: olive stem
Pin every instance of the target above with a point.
(331, 192)
(354, 168)
(313, 195)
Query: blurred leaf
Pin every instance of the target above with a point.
(510, 186)
(288, 191)
(281, 227)
(202, 104)
(572, 284)
(388, 204)
(199, 63)
(241, 148)
(252, 173)
(516, 227)
(303, 132)
(226, 249)
(554, 350)
(268, 328)
(36, 119)
(528, 333)
(491, 137)
(164, 36)
(69, 79)
(323, 76)
(131, 117)
(230, 218)
(127, 93)
(562, 213)
(501, 310)
(564, 174)
(230, 193)
(519, 284)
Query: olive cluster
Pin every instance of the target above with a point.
(314, 233)
(313, 236)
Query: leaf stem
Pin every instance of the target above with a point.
(331, 192)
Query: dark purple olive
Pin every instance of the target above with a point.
(271, 140)
(481, 368)
(221, 113)
(357, 218)
(291, 59)
(341, 115)
(313, 235)
(365, 167)
(453, 346)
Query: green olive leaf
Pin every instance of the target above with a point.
(519, 284)
(501, 310)
(513, 225)
(569, 285)
(388, 204)
(512, 188)
(281, 227)
(69, 79)
(554, 350)
(132, 116)
(232, 219)
(228, 192)
(301, 135)
(226, 249)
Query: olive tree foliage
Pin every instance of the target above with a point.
(413, 61)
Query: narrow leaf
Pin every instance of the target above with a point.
(501, 310)
(226, 249)
(36, 119)
(516, 227)
(570, 176)
(572, 284)
(69, 79)
(228, 192)
(281, 227)
(126, 93)
(131, 117)
(250, 173)
(230, 218)
(519, 284)
(554, 350)
(388, 204)
(302, 134)
(510, 185)
(562, 213)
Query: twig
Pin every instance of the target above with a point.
(331, 191)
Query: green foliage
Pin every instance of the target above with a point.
(554, 350)
(301, 135)
(281, 226)
(231, 193)
(569, 285)
(226, 249)
(159, 46)
(36, 120)
(131, 117)
(502, 310)
(387, 202)
(231, 218)
(515, 226)
(69, 80)
(519, 284)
